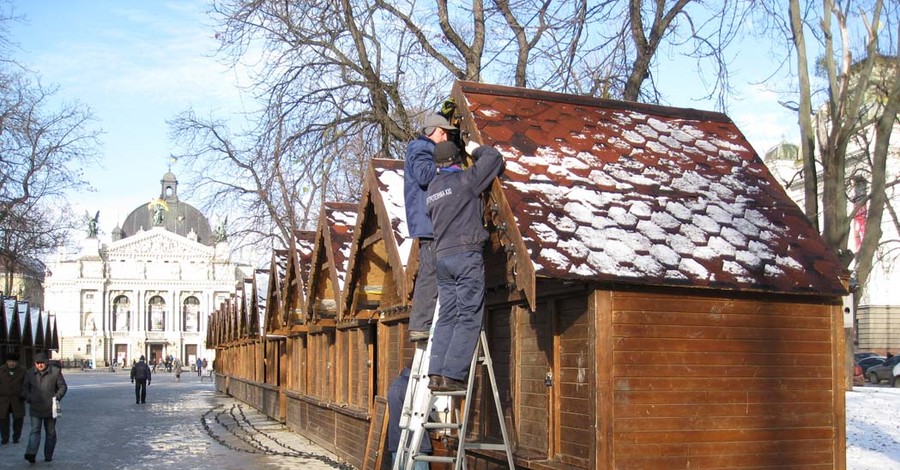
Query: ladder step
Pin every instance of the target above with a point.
(434, 458)
(460, 393)
(442, 425)
(485, 446)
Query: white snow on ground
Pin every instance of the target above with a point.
(873, 428)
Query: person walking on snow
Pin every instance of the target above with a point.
(12, 379)
(141, 377)
(44, 385)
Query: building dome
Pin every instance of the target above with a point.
(170, 213)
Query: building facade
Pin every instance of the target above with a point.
(147, 292)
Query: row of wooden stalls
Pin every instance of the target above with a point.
(25, 330)
(655, 300)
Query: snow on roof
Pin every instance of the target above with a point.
(390, 183)
(341, 220)
(613, 191)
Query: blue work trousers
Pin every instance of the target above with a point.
(34, 440)
(426, 290)
(461, 289)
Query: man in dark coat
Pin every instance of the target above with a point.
(140, 377)
(12, 378)
(457, 212)
(43, 384)
(418, 171)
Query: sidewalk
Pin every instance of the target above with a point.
(184, 424)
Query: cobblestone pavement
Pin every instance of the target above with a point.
(183, 425)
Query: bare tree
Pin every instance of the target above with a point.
(42, 151)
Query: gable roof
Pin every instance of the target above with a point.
(603, 190)
(381, 210)
(334, 238)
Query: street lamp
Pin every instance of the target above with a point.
(94, 349)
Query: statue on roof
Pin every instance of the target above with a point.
(221, 234)
(92, 223)
(157, 209)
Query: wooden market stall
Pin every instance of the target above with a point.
(655, 299)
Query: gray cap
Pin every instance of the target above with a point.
(40, 357)
(436, 120)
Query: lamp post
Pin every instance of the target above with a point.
(94, 348)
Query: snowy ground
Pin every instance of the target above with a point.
(873, 428)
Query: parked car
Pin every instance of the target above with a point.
(870, 361)
(862, 355)
(894, 381)
(884, 371)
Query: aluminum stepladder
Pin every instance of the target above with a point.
(420, 399)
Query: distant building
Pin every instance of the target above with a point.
(146, 293)
(877, 318)
(25, 282)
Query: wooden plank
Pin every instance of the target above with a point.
(767, 358)
(839, 349)
(689, 345)
(605, 454)
(662, 384)
(723, 435)
(766, 447)
(721, 333)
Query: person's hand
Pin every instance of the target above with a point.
(471, 146)
(132, 381)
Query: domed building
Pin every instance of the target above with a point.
(149, 291)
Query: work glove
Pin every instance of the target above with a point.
(471, 146)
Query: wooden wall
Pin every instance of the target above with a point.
(618, 378)
(719, 382)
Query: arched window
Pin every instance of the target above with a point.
(121, 313)
(156, 314)
(190, 314)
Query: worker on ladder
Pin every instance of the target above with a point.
(457, 212)
(418, 171)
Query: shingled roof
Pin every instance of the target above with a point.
(626, 192)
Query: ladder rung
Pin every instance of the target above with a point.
(460, 393)
(484, 446)
(441, 425)
(434, 458)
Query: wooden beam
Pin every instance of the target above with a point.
(372, 239)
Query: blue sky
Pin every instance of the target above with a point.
(135, 65)
(138, 63)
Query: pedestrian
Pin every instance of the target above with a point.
(396, 395)
(12, 379)
(418, 172)
(457, 212)
(141, 377)
(177, 364)
(44, 389)
(199, 367)
(205, 364)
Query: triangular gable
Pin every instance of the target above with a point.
(296, 272)
(328, 269)
(258, 307)
(277, 269)
(5, 321)
(381, 243)
(48, 331)
(54, 335)
(14, 328)
(600, 190)
(247, 300)
(37, 327)
(24, 314)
